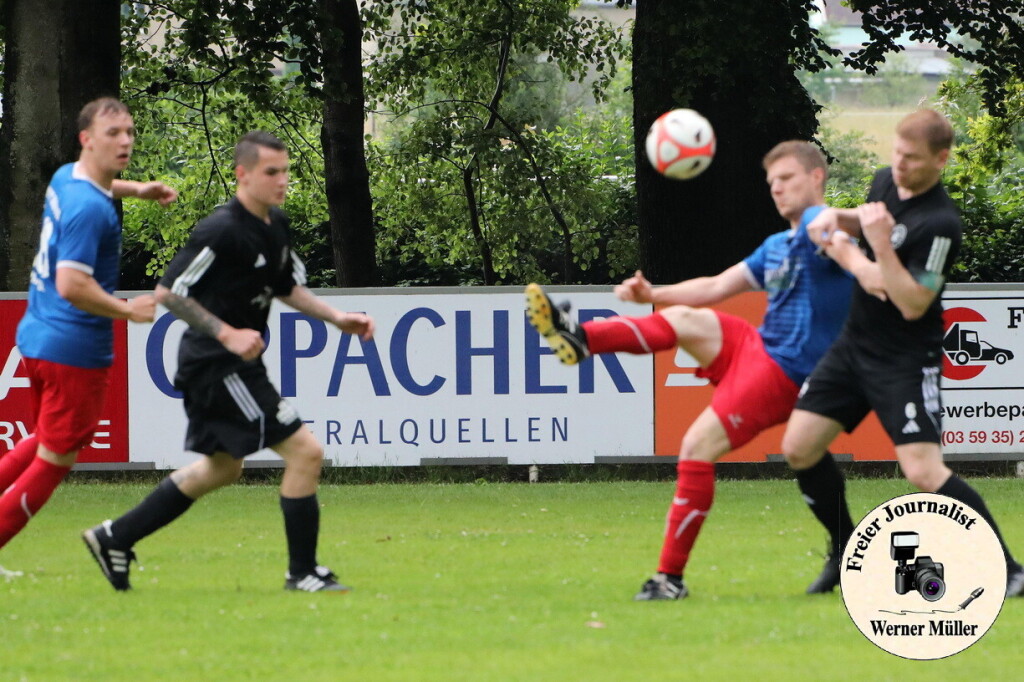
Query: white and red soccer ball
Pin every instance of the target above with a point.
(680, 144)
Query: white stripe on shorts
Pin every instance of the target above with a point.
(243, 398)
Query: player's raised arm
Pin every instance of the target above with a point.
(832, 220)
(910, 297)
(305, 301)
(843, 250)
(153, 191)
(699, 291)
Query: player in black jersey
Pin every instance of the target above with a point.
(888, 357)
(222, 282)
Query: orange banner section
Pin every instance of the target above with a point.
(679, 397)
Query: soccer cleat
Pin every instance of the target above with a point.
(829, 576)
(320, 579)
(561, 332)
(113, 561)
(1015, 583)
(662, 588)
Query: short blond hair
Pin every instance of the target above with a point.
(928, 125)
(806, 153)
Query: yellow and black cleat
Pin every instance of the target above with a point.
(553, 323)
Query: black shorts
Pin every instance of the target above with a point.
(848, 383)
(238, 414)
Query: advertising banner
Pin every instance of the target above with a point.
(983, 371)
(109, 443)
(449, 376)
(459, 376)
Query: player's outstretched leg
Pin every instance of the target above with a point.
(561, 332)
(113, 561)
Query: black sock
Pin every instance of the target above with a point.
(959, 490)
(824, 491)
(159, 508)
(301, 528)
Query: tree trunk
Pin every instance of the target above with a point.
(346, 177)
(723, 58)
(60, 54)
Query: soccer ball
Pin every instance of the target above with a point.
(680, 144)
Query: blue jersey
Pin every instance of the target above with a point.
(81, 230)
(808, 298)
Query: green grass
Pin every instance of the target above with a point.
(459, 582)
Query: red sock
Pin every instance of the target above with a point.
(17, 460)
(27, 495)
(695, 491)
(637, 335)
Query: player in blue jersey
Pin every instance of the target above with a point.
(757, 373)
(66, 335)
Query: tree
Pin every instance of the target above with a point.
(451, 67)
(211, 49)
(735, 62)
(347, 180)
(988, 33)
(59, 54)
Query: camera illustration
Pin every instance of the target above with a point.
(923, 575)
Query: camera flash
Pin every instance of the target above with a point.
(905, 539)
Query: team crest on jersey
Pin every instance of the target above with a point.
(781, 278)
(899, 235)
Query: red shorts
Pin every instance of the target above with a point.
(66, 403)
(752, 392)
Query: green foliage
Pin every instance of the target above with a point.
(988, 34)
(421, 202)
(850, 166)
(189, 115)
(210, 78)
(482, 175)
(985, 177)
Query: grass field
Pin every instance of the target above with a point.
(460, 582)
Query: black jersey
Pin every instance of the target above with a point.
(927, 239)
(234, 264)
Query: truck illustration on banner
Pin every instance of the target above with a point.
(963, 346)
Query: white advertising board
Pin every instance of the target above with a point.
(983, 370)
(448, 376)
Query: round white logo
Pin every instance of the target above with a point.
(923, 576)
(898, 236)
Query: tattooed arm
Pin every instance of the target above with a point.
(245, 343)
